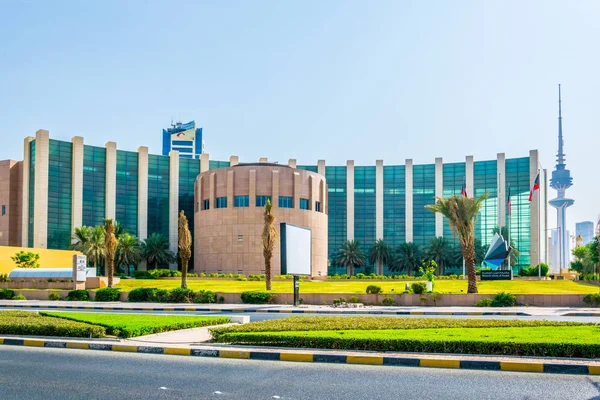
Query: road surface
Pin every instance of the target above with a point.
(48, 374)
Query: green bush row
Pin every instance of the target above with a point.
(161, 273)
(588, 350)
(390, 277)
(29, 323)
(592, 299)
(502, 299)
(257, 297)
(534, 270)
(177, 295)
(6, 294)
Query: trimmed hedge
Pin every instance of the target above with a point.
(78, 295)
(29, 323)
(374, 289)
(6, 294)
(205, 296)
(257, 297)
(181, 295)
(419, 287)
(177, 295)
(107, 294)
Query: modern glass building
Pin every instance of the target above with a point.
(69, 184)
(184, 138)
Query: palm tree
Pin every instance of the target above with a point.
(155, 250)
(119, 229)
(461, 213)
(185, 246)
(81, 239)
(351, 256)
(128, 251)
(95, 249)
(380, 254)
(269, 240)
(440, 251)
(407, 257)
(515, 253)
(110, 244)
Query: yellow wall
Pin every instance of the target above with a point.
(48, 258)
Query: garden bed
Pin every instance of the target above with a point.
(30, 323)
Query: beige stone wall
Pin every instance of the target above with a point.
(228, 240)
(11, 181)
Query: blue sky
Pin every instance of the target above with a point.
(336, 80)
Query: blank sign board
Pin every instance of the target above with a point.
(296, 250)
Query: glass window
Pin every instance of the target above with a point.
(286, 202)
(221, 202)
(336, 183)
(317, 206)
(304, 204)
(205, 204)
(261, 201)
(241, 201)
(3, 209)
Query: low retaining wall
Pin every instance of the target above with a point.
(36, 284)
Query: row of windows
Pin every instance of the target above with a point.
(261, 201)
(60, 167)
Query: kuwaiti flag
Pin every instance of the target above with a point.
(536, 186)
(463, 191)
(508, 203)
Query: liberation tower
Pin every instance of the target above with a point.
(561, 180)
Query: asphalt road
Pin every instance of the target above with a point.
(261, 316)
(44, 373)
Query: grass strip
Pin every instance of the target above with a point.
(31, 323)
(313, 323)
(544, 341)
(352, 287)
(131, 325)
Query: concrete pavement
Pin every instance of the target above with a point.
(308, 309)
(49, 374)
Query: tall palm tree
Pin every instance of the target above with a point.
(440, 251)
(95, 249)
(461, 213)
(185, 247)
(81, 238)
(110, 245)
(128, 251)
(380, 254)
(407, 257)
(515, 253)
(269, 240)
(119, 229)
(351, 256)
(155, 250)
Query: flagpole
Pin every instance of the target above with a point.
(539, 225)
(509, 207)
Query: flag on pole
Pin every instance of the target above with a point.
(463, 191)
(508, 203)
(536, 186)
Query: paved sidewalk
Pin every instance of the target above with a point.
(456, 361)
(304, 309)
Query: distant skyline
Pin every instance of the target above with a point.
(312, 80)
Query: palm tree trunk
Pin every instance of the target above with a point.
(268, 272)
(110, 271)
(469, 255)
(348, 270)
(184, 268)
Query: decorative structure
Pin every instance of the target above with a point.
(561, 180)
(497, 253)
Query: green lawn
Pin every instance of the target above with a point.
(441, 286)
(131, 325)
(31, 323)
(527, 338)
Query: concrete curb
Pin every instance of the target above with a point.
(457, 363)
(281, 311)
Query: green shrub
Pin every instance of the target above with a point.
(19, 297)
(204, 296)
(142, 295)
(213, 275)
(175, 273)
(161, 295)
(107, 294)
(257, 297)
(353, 299)
(485, 302)
(221, 299)
(141, 275)
(533, 270)
(418, 287)
(78, 295)
(343, 300)
(4, 278)
(360, 275)
(503, 299)
(6, 294)
(242, 278)
(181, 295)
(592, 299)
(388, 301)
(54, 296)
(374, 289)
(30, 323)
(159, 273)
(202, 275)
(192, 275)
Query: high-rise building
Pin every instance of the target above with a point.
(66, 184)
(585, 229)
(554, 253)
(561, 180)
(185, 138)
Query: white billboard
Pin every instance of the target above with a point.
(296, 250)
